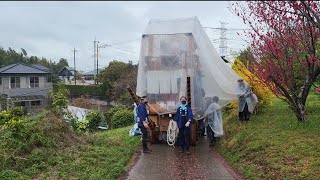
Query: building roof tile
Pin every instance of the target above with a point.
(24, 69)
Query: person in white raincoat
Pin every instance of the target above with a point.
(135, 130)
(213, 120)
(247, 101)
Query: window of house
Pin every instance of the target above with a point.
(34, 82)
(15, 82)
(35, 103)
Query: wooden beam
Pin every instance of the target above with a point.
(189, 90)
(133, 96)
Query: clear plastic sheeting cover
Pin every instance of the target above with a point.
(214, 119)
(79, 113)
(172, 50)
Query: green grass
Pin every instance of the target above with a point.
(273, 144)
(58, 153)
(105, 156)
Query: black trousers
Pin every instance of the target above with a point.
(210, 135)
(245, 114)
(201, 127)
(144, 132)
(184, 138)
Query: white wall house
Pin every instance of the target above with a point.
(28, 85)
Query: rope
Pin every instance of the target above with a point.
(172, 133)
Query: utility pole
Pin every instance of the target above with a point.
(98, 47)
(223, 39)
(97, 62)
(74, 65)
(95, 43)
(50, 66)
(51, 71)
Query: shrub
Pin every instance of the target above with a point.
(15, 126)
(13, 121)
(71, 120)
(28, 154)
(122, 118)
(82, 125)
(59, 99)
(17, 112)
(125, 99)
(108, 115)
(94, 117)
(4, 117)
(92, 90)
(11, 174)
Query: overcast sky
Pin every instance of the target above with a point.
(53, 29)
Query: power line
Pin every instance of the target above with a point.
(125, 42)
(229, 29)
(122, 49)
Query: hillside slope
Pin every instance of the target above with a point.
(51, 150)
(273, 145)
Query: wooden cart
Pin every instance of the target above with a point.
(160, 121)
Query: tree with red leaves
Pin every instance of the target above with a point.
(284, 38)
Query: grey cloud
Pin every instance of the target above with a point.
(52, 29)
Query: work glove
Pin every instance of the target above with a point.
(188, 124)
(145, 125)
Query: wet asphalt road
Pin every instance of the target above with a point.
(167, 163)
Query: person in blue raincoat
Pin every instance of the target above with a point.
(184, 119)
(143, 122)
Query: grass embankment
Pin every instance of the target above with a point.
(273, 145)
(53, 151)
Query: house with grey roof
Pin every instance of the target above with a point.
(41, 67)
(66, 74)
(27, 85)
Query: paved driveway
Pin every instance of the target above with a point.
(167, 163)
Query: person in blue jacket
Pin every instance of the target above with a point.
(143, 122)
(184, 119)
